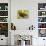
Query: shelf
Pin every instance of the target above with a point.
(41, 19)
(4, 19)
(3, 10)
(41, 28)
(3, 22)
(41, 10)
(41, 22)
(42, 37)
(3, 16)
(42, 16)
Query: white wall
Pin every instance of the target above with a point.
(23, 24)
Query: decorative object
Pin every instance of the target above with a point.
(22, 14)
(4, 29)
(41, 25)
(42, 32)
(13, 27)
(3, 19)
(23, 40)
(41, 6)
(6, 7)
(41, 19)
(43, 13)
(3, 6)
(0, 7)
(3, 13)
(31, 27)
